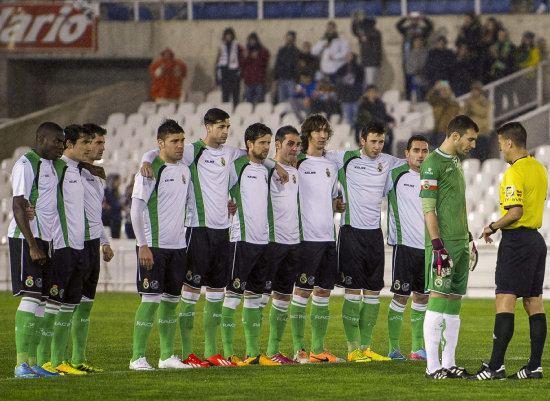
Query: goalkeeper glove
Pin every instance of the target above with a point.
(441, 261)
(473, 252)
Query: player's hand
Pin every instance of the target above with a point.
(486, 235)
(145, 257)
(29, 211)
(473, 252)
(441, 260)
(147, 170)
(283, 174)
(37, 255)
(98, 171)
(339, 205)
(108, 253)
(231, 207)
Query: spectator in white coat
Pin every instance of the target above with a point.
(332, 49)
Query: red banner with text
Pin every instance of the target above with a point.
(48, 26)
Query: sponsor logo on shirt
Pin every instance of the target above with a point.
(252, 176)
(73, 181)
(409, 185)
(359, 167)
(449, 169)
(310, 172)
(510, 191)
(169, 180)
(209, 161)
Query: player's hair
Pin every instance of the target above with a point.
(461, 124)
(314, 122)
(95, 129)
(372, 127)
(413, 138)
(74, 132)
(169, 127)
(514, 131)
(215, 115)
(47, 127)
(255, 131)
(282, 132)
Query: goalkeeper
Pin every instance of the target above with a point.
(447, 252)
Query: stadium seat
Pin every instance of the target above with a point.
(342, 132)
(492, 167)
(135, 120)
(263, 109)
(196, 97)
(115, 120)
(428, 122)
(290, 119)
(282, 108)
(167, 110)
(391, 97)
(154, 121)
(147, 108)
(118, 13)
(185, 109)
(225, 106)
(400, 110)
(336, 119)
(414, 120)
(243, 109)
(542, 154)
(214, 96)
(202, 108)
(471, 166)
(273, 121)
(20, 151)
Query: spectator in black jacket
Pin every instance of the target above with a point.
(470, 34)
(441, 62)
(284, 71)
(370, 44)
(349, 83)
(372, 108)
(308, 64)
(465, 71)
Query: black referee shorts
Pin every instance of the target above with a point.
(521, 262)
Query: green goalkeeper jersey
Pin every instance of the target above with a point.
(441, 178)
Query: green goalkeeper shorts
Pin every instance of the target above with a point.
(456, 283)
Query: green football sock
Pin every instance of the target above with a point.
(418, 312)
(79, 330)
(61, 334)
(228, 322)
(24, 327)
(350, 319)
(167, 322)
(263, 303)
(212, 318)
(319, 323)
(298, 321)
(37, 334)
(186, 321)
(395, 321)
(251, 324)
(143, 324)
(278, 316)
(367, 319)
(45, 344)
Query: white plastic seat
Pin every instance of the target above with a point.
(202, 108)
(290, 119)
(391, 96)
(135, 120)
(115, 120)
(20, 151)
(147, 108)
(184, 109)
(282, 108)
(167, 110)
(263, 109)
(243, 109)
(155, 120)
(214, 96)
(471, 166)
(196, 97)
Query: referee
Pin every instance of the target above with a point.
(521, 254)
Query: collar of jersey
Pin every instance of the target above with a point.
(69, 161)
(448, 156)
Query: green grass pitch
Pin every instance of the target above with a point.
(110, 346)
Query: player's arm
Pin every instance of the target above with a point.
(19, 207)
(146, 162)
(337, 157)
(143, 187)
(283, 174)
(108, 253)
(338, 204)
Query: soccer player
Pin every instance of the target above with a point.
(522, 197)
(158, 216)
(64, 279)
(95, 239)
(406, 236)
(208, 249)
(283, 251)
(362, 174)
(249, 238)
(34, 183)
(318, 265)
(447, 251)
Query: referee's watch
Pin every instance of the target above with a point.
(493, 229)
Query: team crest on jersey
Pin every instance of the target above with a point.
(184, 179)
(438, 282)
(189, 275)
(328, 172)
(380, 167)
(303, 278)
(293, 178)
(29, 282)
(237, 283)
(396, 285)
(223, 162)
(54, 291)
(146, 284)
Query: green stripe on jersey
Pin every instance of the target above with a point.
(235, 192)
(60, 167)
(348, 156)
(152, 204)
(270, 218)
(392, 200)
(198, 147)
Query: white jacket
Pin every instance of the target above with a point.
(338, 49)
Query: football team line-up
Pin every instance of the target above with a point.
(272, 235)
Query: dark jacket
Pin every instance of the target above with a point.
(439, 65)
(255, 69)
(286, 63)
(411, 31)
(349, 82)
(375, 111)
(371, 47)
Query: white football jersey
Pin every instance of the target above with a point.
(284, 220)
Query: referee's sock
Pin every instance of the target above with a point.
(186, 319)
(61, 334)
(167, 322)
(45, 344)
(502, 334)
(395, 322)
(230, 303)
(212, 317)
(298, 321)
(350, 320)
(319, 323)
(80, 328)
(537, 326)
(367, 319)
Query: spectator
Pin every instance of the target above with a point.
(301, 98)
(465, 71)
(167, 74)
(228, 67)
(470, 33)
(254, 66)
(332, 49)
(528, 54)
(372, 108)
(412, 26)
(308, 64)
(478, 108)
(370, 44)
(285, 67)
(503, 54)
(445, 108)
(440, 63)
(415, 60)
(112, 208)
(349, 82)
(324, 98)
(489, 33)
